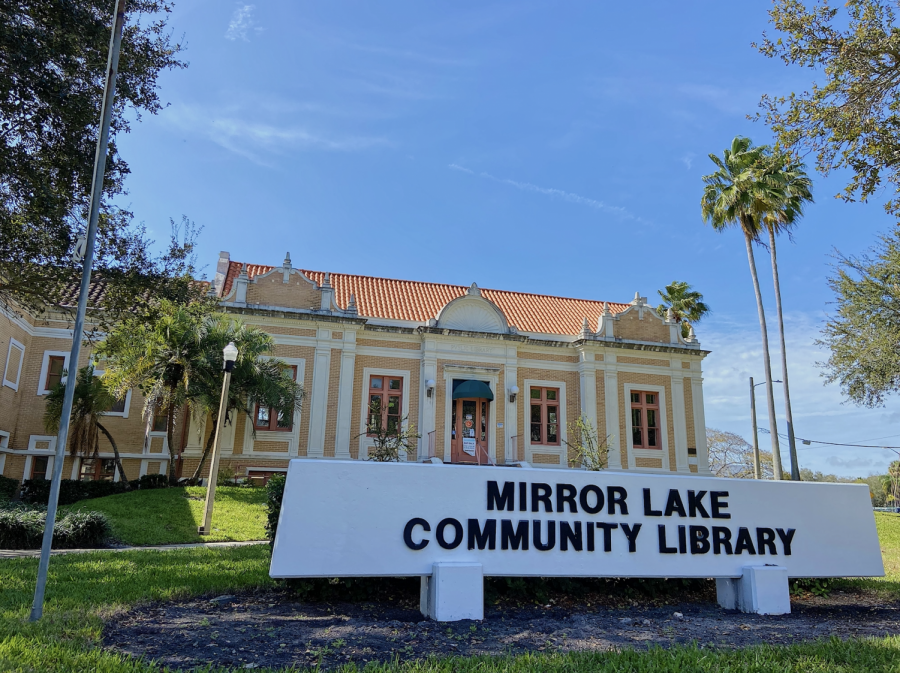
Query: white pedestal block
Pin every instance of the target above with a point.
(761, 590)
(454, 591)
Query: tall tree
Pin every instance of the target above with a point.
(160, 355)
(91, 403)
(687, 304)
(52, 73)
(735, 196)
(257, 378)
(792, 189)
(731, 456)
(862, 335)
(849, 118)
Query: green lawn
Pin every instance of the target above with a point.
(889, 535)
(83, 587)
(172, 515)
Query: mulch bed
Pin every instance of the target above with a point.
(274, 629)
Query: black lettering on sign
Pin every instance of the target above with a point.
(565, 494)
(682, 540)
(540, 493)
(765, 540)
(590, 535)
(721, 540)
(716, 504)
(567, 535)
(486, 537)
(523, 496)
(607, 534)
(695, 504)
(616, 496)
(514, 538)
(631, 532)
(786, 539)
(699, 539)
(408, 531)
(585, 500)
(744, 542)
(501, 500)
(663, 547)
(648, 506)
(457, 535)
(536, 535)
(674, 504)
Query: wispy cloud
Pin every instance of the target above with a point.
(556, 193)
(259, 140)
(242, 24)
(688, 160)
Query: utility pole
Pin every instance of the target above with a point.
(112, 65)
(757, 473)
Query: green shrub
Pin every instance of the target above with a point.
(8, 488)
(274, 495)
(355, 589)
(37, 491)
(22, 528)
(150, 481)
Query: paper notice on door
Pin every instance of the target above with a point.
(469, 445)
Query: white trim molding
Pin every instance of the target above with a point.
(634, 453)
(45, 365)
(531, 449)
(366, 442)
(21, 348)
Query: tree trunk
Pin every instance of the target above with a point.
(789, 419)
(773, 427)
(118, 458)
(209, 443)
(170, 437)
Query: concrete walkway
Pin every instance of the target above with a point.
(34, 553)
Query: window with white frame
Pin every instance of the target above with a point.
(54, 364)
(12, 370)
(119, 407)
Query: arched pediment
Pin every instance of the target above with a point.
(473, 313)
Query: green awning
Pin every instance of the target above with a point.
(472, 389)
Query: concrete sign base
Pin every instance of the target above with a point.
(762, 590)
(453, 591)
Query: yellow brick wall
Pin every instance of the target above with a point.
(10, 400)
(298, 292)
(361, 386)
(334, 385)
(602, 431)
(625, 407)
(685, 365)
(689, 414)
(598, 356)
(651, 362)
(648, 462)
(378, 343)
(308, 353)
(275, 330)
(629, 326)
(267, 446)
(552, 357)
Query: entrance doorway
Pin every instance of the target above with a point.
(468, 431)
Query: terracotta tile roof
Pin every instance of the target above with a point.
(417, 301)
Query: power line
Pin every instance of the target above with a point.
(855, 446)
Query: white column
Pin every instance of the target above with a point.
(511, 418)
(345, 397)
(588, 382)
(700, 426)
(679, 422)
(427, 404)
(611, 395)
(318, 408)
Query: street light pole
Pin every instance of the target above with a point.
(109, 95)
(230, 353)
(757, 472)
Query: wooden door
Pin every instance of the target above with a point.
(468, 431)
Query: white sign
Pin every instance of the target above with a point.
(353, 518)
(469, 445)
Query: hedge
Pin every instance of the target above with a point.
(274, 495)
(8, 488)
(37, 491)
(22, 528)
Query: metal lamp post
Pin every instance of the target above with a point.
(230, 353)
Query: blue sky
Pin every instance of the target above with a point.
(535, 146)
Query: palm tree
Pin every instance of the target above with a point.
(686, 304)
(255, 379)
(795, 186)
(158, 356)
(735, 195)
(92, 400)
